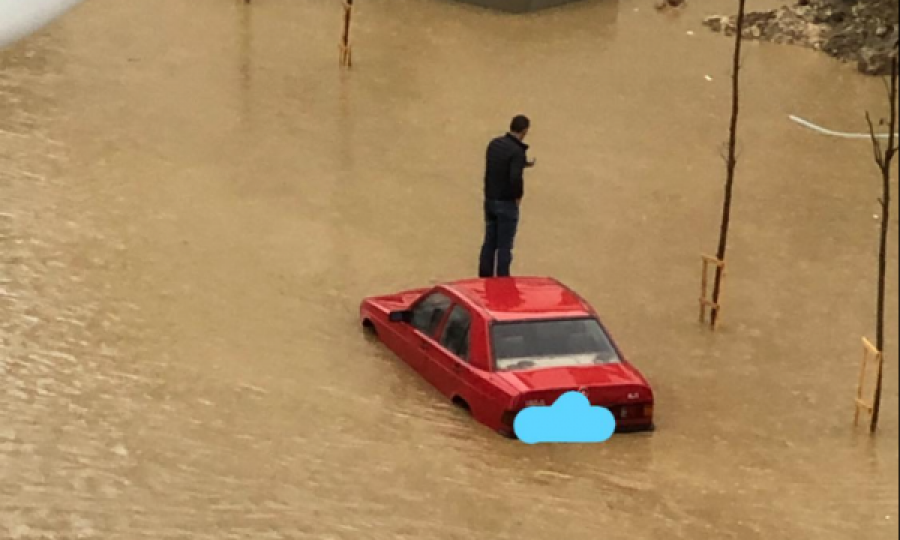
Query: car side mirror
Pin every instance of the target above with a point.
(399, 316)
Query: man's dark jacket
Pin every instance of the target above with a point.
(506, 160)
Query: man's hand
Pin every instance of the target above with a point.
(529, 164)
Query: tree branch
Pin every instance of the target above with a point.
(876, 145)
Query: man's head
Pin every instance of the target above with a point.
(519, 126)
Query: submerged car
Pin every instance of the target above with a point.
(497, 345)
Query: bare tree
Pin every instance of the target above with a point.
(883, 158)
(731, 158)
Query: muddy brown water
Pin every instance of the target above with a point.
(193, 200)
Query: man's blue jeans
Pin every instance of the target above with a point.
(501, 220)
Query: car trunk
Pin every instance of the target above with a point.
(616, 387)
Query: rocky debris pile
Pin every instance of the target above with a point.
(865, 32)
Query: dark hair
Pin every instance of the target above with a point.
(519, 124)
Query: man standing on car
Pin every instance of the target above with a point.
(503, 191)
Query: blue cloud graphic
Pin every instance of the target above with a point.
(571, 419)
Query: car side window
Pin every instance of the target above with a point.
(427, 314)
(456, 332)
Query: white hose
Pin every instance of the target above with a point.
(21, 18)
(841, 134)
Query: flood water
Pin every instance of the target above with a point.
(194, 199)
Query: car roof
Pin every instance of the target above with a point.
(522, 298)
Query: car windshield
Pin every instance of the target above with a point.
(551, 343)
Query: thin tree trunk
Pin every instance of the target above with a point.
(884, 160)
(731, 161)
(345, 38)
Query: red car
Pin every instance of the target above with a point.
(495, 346)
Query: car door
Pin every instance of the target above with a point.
(459, 376)
(451, 356)
(426, 317)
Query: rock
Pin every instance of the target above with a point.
(874, 62)
(715, 22)
(663, 4)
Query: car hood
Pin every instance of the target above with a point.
(396, 301)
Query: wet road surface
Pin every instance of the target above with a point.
(193, 200)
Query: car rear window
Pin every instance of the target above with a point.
(551, 343)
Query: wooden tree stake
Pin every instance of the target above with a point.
(346, 58)
(869, 351)
(705, 301)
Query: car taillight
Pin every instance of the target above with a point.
(627, 412)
